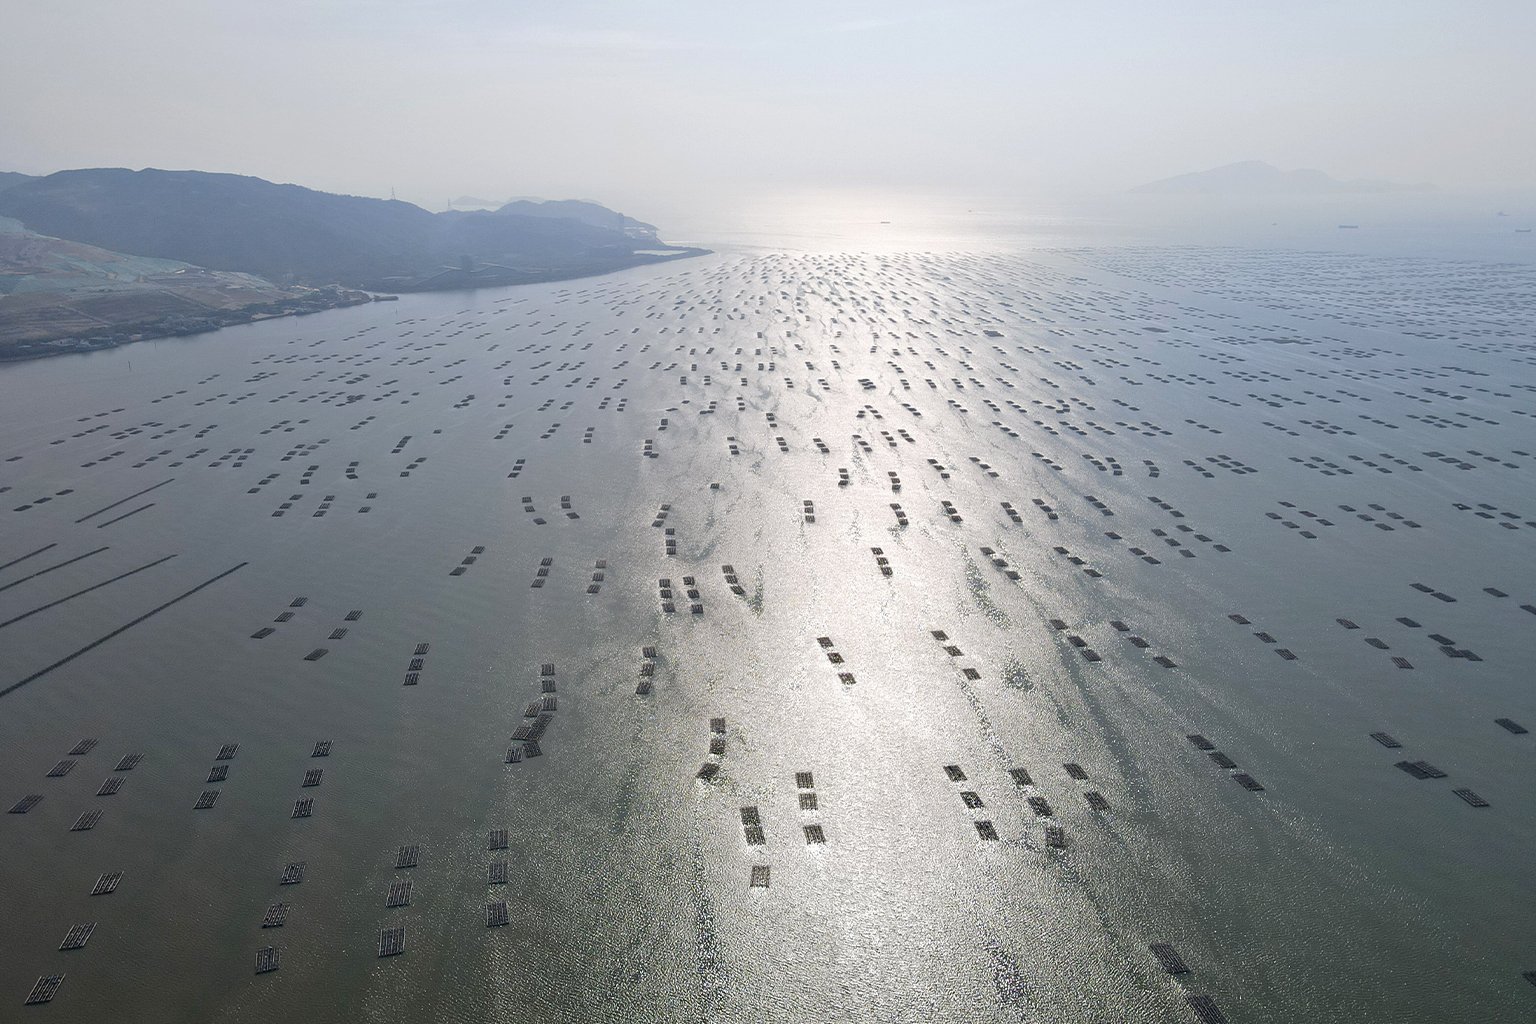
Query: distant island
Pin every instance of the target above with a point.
(100, 257)
(1256, 178)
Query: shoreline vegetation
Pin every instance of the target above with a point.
(96, 258)
(187, 319)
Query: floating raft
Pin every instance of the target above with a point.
(303, 807)
(407, 857)
(955, 773)
(218, 773)
(61, 769)
(316, 654)
(129, 762)
(276, 916)
(1470, 797)
(1511, 725)
(226, 752)
(1040, 806)
(1248, 782)
(1222, 760)
(322, 749)
(804, 780)
(814, 835)
(1206, 1009)
(26, 803)
(1020, 777)
(293, 873)
(1170, 959)
(1055, 837)
(497, 840)
(45, 989)
(496, 873)
(82, 748)
(1421, 769)
(496, 914)
(1096, 800)
(760, 876)
(86, 821)
(399, 893)
(107, 883)
(1386, 739)
(78, 935)
(312, 777)
(392, 941)
(208, 798)
(971, 799)
(266, 960)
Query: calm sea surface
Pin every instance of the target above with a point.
(927, 501)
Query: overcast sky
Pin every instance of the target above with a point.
(647, 103)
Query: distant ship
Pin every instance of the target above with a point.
(1348, 227)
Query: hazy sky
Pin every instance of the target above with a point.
(647, 104)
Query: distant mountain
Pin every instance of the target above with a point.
(584, 211)
(287, 233)
(9, 178)
(1256, 178)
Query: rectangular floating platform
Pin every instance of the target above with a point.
(1386, 739)
(218, 773)
(531, 749)
(1510, 725)
(707, 771)
(316, 654)
(263, 633)
(1200, 741)
(1170, 959)
(46, 988)
(106, 883)
(1055, 837)
(407, 857)
(82, 748)
(804, 780)
(1471, 797)
(808, 801)
(26, 803)
(61, 769)
(276, 916)
(1248, 782)
(226, 752)
(422, 648)
(717, 746)
(129, 762)
(110, 785)
(1096, 800)
(303, 808)
(1040, 806)
(760, 876)
(78, 936)
(496, 914)
(1075, 770)
(322, 749)
(267, 960)
(750, 816)
(1020, 777)
(399, 893)
(208, 798)
(86, 821)
(312, 777)
(985, 829)
(496, 873)
(955, 773)
(1222, 760)
(293, 873)
(754, 835)
(497, 840)
(1206, 1009)
(717, 725)
(392, 941)
(814, 835)
(971, 799)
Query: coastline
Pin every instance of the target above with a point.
(317, 300)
